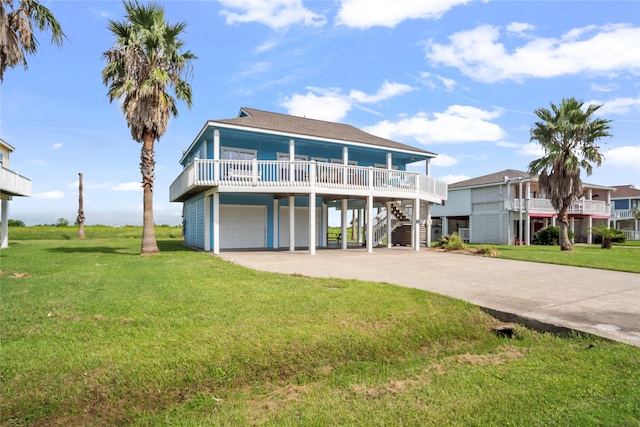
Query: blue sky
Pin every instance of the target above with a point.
(459, 78)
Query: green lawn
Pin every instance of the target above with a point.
(94, 334)
(620, 258)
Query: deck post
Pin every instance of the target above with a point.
(216, 222)
(276, 222)
(428, 225)
(416, 225)
(292, 223)
(389, 223)
(216, 155)
(312, 223)
(369, 236)
(343, 223)
(4, 234)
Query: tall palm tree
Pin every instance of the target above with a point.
(145, 60)
(568, 135)
(17, 37)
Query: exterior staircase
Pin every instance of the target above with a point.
(399, 217)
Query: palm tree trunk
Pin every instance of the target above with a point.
(563, 220)
(147, 167)
(80, 218)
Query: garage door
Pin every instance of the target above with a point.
(243, 226)
(301, 226)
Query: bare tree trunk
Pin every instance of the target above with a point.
(563, 224)
(147, 168)
(80, 219)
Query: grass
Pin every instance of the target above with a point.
(93, 334)
(619, 258)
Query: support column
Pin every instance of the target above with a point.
(216, 154)
(428, 225)
(276, 223)
(389, 224)
(415, 224)
(312, 223)
(369, 223)
(343, 223)
(572, 227)
(292, 223)
(325, 225)
(589, 233)
(216, 222)
(292, 158)
(4, 233)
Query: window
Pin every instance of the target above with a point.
(240, 165)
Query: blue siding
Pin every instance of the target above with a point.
(194, 222)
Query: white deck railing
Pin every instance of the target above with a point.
(623, 214)
(14, 184)
(269, 175)
(585, 207)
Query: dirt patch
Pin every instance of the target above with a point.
(15, 275)
(506, 353)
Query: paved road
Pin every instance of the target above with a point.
(600, 302)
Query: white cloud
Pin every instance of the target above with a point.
(127, 186)
(56, 146)
(457, 124)
(277, 14)
(444, 161)
(519, 28)
(386, 91)
(531, 149)
(364, 14)
(330, 105)
(624, 157)
(427, 79)
(450, 179)
(617, 106)
(50, 195)
(603, 50)
(333, 104)
(610, 87)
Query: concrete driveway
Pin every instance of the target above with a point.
(600, 302)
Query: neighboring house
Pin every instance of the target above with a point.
(244, 176)
(11, 184)
(508, 207)
(626, 210)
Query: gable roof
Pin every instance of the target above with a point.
(265, 120)
(493, 178)
(626, 192)
(498, 178)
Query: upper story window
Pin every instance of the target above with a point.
(238, 154)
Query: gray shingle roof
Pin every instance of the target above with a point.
(492, 178)
(259, 119)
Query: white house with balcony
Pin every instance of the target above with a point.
(625, 214)
(508, 207)
(11, 184)
(268, 180)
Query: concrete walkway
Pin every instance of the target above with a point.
(600, 302)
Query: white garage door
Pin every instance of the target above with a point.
(301, 226)
(243, 226)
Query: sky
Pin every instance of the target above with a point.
(460, 78)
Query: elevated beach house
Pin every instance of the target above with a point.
(508, 207)
(625, 214)
(11, 184)
(269, 180)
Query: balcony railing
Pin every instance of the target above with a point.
(14, 184)
(581, 207)
(283, 175)
(623, 214)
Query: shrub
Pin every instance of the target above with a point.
(451, 242)
(15, 223)
(608, 235)
(549, 236)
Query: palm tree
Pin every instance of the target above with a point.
(568, 135)
(144, 61)
(17, 31)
